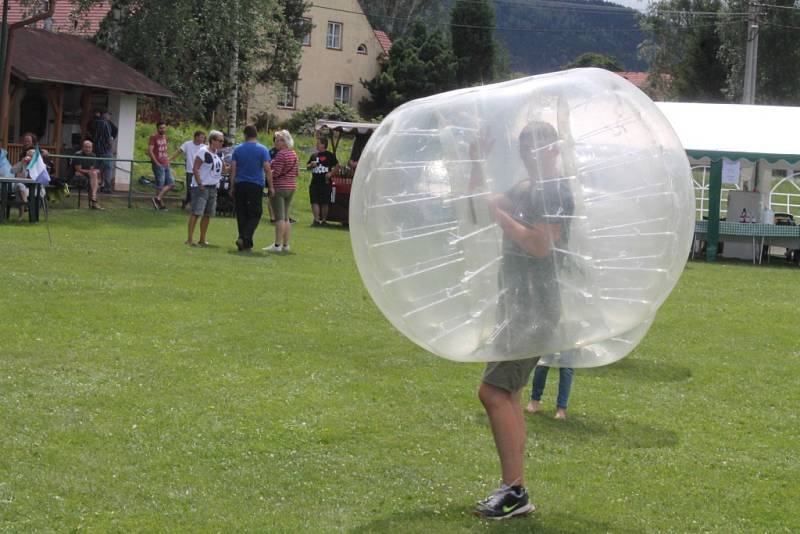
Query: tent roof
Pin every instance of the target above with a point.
(736, 131)
(43, 56)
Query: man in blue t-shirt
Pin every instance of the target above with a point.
(250, 170)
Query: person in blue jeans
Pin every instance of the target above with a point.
(564, 386)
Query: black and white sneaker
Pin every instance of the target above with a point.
(505, 503)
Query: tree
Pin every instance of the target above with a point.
(471, 23)
(420, 64)
(686, 47)
(778, 68)
(189, 45)
(593, 59)
(705, 55)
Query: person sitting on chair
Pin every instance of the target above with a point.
(90, 170)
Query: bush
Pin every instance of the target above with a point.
(265, 120)
(303, 121)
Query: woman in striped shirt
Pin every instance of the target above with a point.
(284, 180)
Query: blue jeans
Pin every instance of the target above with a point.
(107, 170)
(564, 384)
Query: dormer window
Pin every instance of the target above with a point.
(362, 49)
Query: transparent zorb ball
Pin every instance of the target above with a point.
(550, 215)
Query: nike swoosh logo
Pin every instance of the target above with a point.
(507, 509)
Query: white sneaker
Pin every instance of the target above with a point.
(286, 248)
(273, 248)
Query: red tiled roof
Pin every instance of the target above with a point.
(383, 39)
(639, 79)
(87, 26)
(44, 56)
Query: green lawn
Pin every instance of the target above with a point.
(146, 386)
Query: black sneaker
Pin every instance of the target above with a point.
(505, 503)
(292, 221)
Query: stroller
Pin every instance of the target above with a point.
(225, 204)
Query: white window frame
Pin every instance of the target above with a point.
(339, 91)
(331, 35)
(287, 99)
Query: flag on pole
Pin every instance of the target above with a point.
(37, 170)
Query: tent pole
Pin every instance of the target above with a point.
(714, 196)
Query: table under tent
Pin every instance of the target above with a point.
(751, 154)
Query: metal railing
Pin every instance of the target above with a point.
(131, 163)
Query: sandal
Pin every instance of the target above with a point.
(94, 205)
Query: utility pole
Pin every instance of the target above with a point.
(751, 59)
(3, 62)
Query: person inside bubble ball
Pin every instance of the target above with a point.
(534, 216)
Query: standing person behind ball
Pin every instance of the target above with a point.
(250, 164)
(206, 174)
(285, 168)
(189, 149)
(564, 387)
(159, 158)
(534, 217)
(322, 164)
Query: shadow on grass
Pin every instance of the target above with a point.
(643, 370)
(460, 519)
(584, 430)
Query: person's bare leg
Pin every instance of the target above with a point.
(94, 179)
(287, 232)
(164, 190)
(192, 223)
(204, 228)
(279, 232)
(315, 209)
(324, 212)
(508, 430)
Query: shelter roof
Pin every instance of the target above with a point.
(736, 131)
(43, 56)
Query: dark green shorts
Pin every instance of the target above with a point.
(511, 375)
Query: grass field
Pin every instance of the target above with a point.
(146, 386)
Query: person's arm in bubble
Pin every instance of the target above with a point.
(479, 149)
(536, 240)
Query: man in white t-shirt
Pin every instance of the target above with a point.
(206, 172)
(189, 150)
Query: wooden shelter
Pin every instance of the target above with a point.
(56, 81)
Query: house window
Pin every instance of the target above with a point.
(341, 93)
(307, 37)
(286, 98)
(334, 36)
(362, 49)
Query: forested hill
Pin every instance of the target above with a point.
(540, 35)
(547, 35)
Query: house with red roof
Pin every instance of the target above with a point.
(341, 49)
